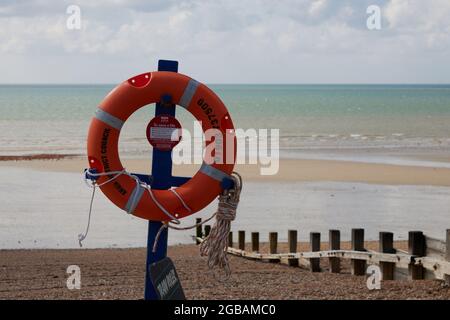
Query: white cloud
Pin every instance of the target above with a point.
(317, 6)
(230, 40)
(424, 25)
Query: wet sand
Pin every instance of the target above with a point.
(290, 170)
(48, 203)
(40, 156)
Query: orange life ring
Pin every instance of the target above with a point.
(119, 104)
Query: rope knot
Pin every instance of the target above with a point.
(226, 210)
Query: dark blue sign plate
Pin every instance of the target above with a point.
(165, 280)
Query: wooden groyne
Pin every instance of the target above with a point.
(426, 257)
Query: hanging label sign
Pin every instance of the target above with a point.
(164, 132)
(165, 280)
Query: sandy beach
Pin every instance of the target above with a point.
(119, 274)
(298, 170)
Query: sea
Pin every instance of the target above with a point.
(313, 119)
(400, 124)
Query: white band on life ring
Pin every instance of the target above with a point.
(109, 119)
(134, 199)
(188, 93)
(212, 172)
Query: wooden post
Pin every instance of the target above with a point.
(255, 241)
(386, 245)
(416, 247)
(447, 248)
(358, 267)
(198, 230)
(314, 240)
(230, 239)
(273, 242)
(447, 255)
(207, 230)
(241, 239)
(292, 240)
(334, 239)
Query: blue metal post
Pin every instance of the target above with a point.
(161, 179)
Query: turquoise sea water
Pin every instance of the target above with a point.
(55, 118)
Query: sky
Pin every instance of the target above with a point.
(226, 41)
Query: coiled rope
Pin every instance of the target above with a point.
(215, 246)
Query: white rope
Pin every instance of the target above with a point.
(116, 174)
(174, 220)
(94, 185)
(181, 199)
(82, 236)
(159, 205)
(215, 246)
